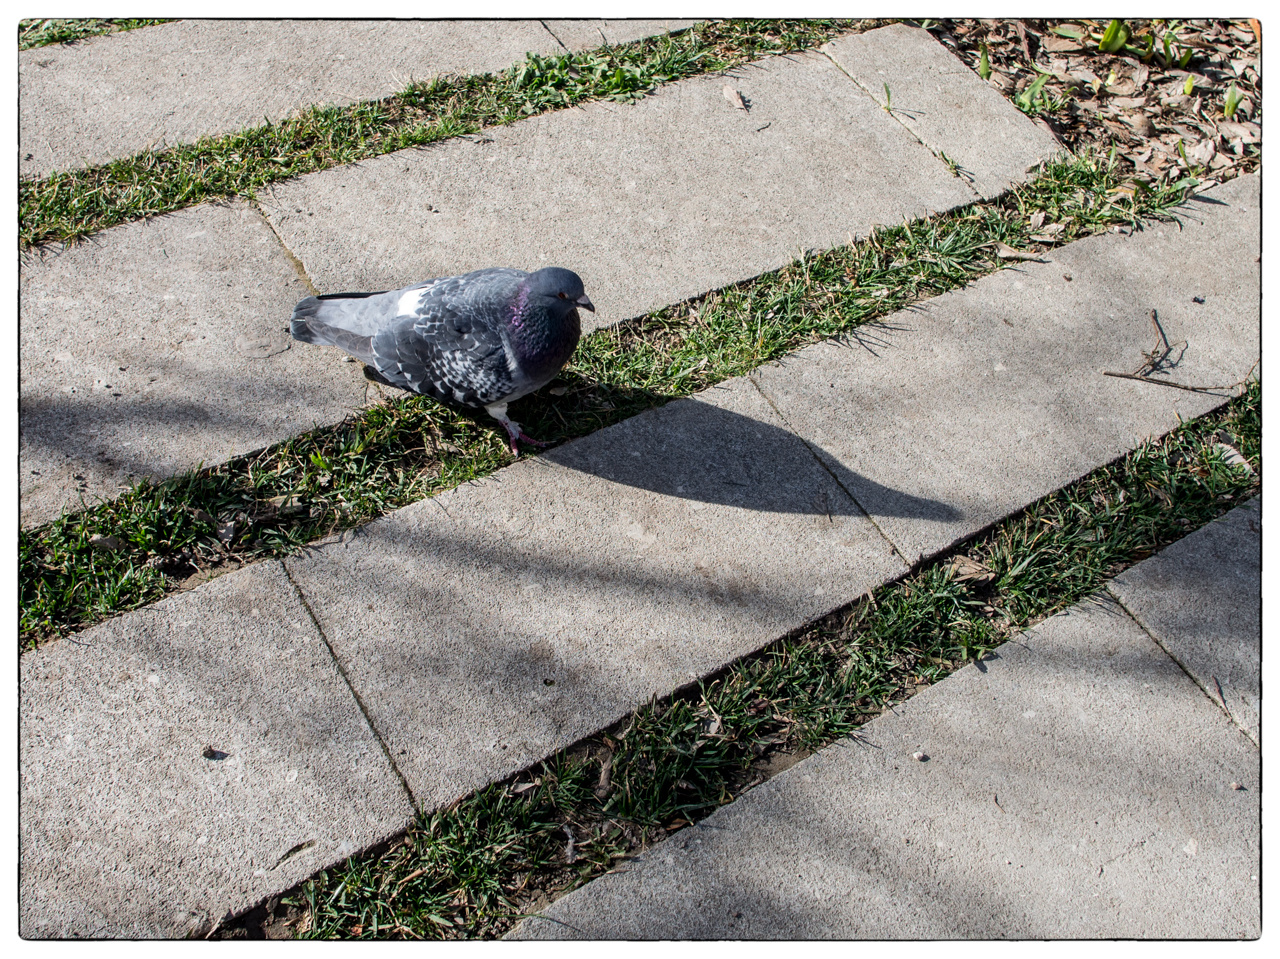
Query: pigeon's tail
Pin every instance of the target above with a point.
(309, 325)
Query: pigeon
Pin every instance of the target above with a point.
(479, 340)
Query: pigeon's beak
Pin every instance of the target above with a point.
(585, 303)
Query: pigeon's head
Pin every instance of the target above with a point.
(558, 290)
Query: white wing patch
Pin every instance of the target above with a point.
(410, 302)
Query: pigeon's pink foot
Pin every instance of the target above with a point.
(515, 434)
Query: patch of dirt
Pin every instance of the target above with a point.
(272, 920)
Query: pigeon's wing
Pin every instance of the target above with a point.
(452, 345)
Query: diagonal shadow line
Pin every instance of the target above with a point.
(691, 449)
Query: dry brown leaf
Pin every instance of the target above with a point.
(1201, 153)
(1141, 124)
(1119, 130)
(734, 97)
(966, 569)
(1000, 81)
(1006, 252)
(108, 544)
(1049, 234)
(1056, 44)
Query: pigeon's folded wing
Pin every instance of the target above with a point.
(450, 357)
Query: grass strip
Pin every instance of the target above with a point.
(133, 550)
(472, 870)
(41, 33)
(67, 205)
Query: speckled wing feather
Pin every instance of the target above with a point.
(452, 344)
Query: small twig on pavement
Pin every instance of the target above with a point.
(1182, 386)
(1155, 358)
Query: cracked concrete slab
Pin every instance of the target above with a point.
(159, 345)
(651, 202)
(939, 99)
(494, 624)
(987, 398)
(1201, 599)
(117, 95)
(1075, 785)
(188, 760)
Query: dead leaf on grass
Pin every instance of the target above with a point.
(966, 569)
(1006, 252)
(1232, 456)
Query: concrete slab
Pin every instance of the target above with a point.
(488, 627)
(1078, 785)
(651, 203)
(118, 95)
(188, 760)
(160, 345)
(586, 34)
(987, 398)
(1201, 599)
(937, 97)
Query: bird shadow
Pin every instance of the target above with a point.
(702, 449)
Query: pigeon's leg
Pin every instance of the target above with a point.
(499, 412)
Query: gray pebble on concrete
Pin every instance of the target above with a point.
(494, 624)
(1201, 599)
(651, 202)
(1078, 785)
(154, 347)
(984, 399)
(935, 95)
(188, 760)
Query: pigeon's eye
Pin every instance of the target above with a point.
(562, 295)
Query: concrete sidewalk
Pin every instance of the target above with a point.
(654, 202)
(488, 627)
(1075, 784)
(116, 95)
(189, 760)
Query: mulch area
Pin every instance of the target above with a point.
(1161, 105)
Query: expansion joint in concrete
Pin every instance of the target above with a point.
(1215, 696)
(342, 671)
(827, 469)
(293, 257)
(553, 36)
(955, 170)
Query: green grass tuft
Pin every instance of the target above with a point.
(41, 33)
